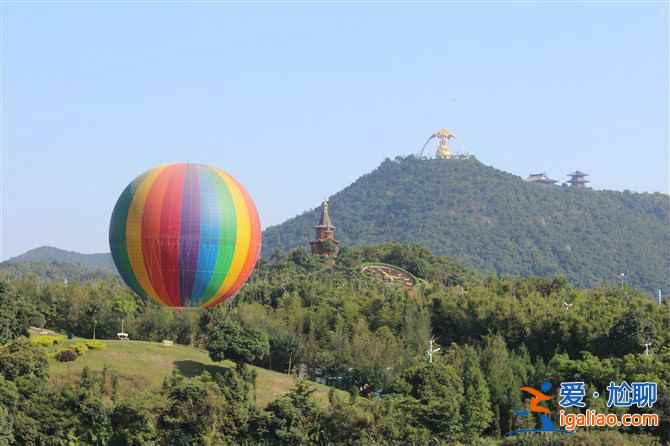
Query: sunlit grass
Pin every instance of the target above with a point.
(143, 366)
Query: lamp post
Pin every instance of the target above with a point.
(431, 349)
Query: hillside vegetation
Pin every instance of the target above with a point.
(325, 319)
(495, 221)
(51, 263)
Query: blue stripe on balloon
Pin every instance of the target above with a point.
(210, 227)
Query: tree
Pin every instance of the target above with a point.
(92, 313)
(133, 423)
(6, 427)
(228, 340)
(477, 413)
(301, 257)
(22, 359)
(94, 425)
(124, 306)
(292, 419)
(16, 313)
(191, 414)
(630, 333)
(284, 350)
(502, 382)
(439, 391)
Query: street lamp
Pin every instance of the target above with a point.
(432, 349)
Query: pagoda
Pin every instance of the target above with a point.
(541, 178)
(578, 179)
(325, 243)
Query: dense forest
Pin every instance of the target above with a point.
(495, 221)
(325, 320)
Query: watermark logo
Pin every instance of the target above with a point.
(572, 394)
(636, 394)
(538, 396)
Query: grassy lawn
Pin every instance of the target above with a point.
(143, 365)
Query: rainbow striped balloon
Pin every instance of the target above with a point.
(186, 235)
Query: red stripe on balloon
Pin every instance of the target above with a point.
(254, 243)
(170, 233)
(151, 236)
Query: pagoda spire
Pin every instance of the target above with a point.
(325, 243)
(325, 217)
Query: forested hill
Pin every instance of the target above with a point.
(52, 263)
(488, 219)
(495, 221)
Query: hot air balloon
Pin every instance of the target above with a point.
(186, 235)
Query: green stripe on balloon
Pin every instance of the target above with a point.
(117, 237)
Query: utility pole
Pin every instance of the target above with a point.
(431, 349)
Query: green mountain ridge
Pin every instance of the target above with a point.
(485, 218)
(495, 221)
(52, 263)
(101, 260)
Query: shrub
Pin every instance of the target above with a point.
(46, 340)
(95, 345)
(67, 355)
(79, 347)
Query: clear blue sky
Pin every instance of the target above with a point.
(299, 100)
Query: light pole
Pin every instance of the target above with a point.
(431, 349)
(621, 277)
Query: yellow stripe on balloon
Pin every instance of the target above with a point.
(134, 232)
(243, 235)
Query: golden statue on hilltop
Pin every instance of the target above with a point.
(443, 135)
(443, 151)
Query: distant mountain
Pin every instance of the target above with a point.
(57, 264)
(485, 218)
(495, 221)
(49, 254)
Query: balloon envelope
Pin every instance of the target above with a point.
(185, 235)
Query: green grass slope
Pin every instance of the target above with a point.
(143, 366)
(495, 221)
